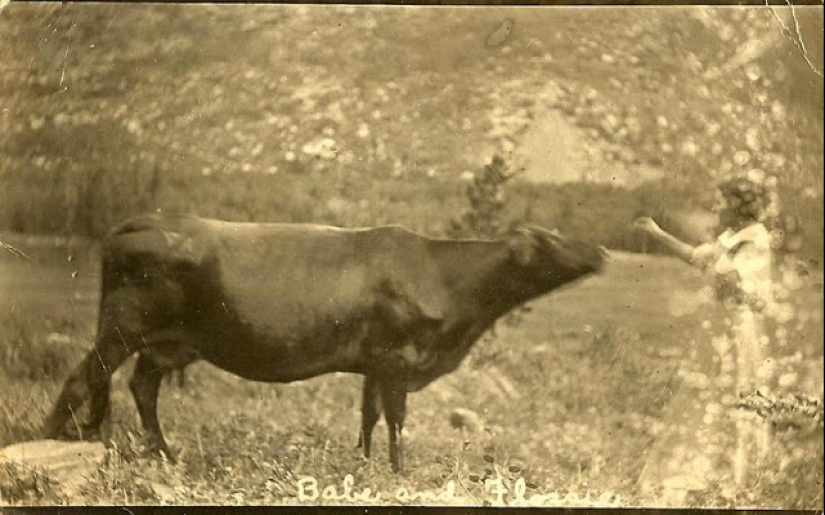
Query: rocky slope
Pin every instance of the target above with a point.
(687, 93)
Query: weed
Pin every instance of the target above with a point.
(23, 485)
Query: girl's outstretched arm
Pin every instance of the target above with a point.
(677, 247)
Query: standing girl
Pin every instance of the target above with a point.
(740, 261)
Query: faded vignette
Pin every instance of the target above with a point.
(640, 386)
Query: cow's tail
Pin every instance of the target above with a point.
(105, 284)
(90, 381)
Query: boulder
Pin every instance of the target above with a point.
(68, 463)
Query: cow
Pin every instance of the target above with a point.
(286, 302)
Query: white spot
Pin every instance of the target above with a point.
(742, 157)
(324, 148)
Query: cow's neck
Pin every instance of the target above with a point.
(484, 284)
(484, 277)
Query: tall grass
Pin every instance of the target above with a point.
(570, 400)
(27, 353)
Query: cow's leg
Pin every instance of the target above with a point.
(181, 375)
(165, 352)
(394, 400)
(145, 385)
(370, 412)
(91, 377)
(98, 409)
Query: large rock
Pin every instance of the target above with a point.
(68, 463)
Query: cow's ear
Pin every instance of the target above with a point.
(523, 246)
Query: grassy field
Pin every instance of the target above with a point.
(365, 116)
(571, 399)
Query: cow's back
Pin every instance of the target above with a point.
(272, 293)
(290, 275)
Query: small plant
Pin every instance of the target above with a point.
(787, 411)
(485, 216)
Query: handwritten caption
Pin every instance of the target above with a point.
(497, 493)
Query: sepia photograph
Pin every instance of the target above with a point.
(387, 255)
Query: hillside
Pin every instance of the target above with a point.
(335, 98)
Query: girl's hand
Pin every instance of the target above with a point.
(646, 224)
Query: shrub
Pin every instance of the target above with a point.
(484, 216)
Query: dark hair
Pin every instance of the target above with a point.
(748, 198)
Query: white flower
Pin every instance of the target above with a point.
(325, 148)
(742, 157)
(752, 139)
(689, 148)
(753, 72)
(778, 111)
(756, 175)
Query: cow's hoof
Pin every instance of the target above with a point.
(168, 456)
(161, 451)
(165, 454)
(65, 434)
(60, 437)
(88, 433)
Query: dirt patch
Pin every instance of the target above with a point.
(557, 151)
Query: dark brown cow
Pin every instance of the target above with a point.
(284, 302)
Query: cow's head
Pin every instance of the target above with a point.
(552, 259)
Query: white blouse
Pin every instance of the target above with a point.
(748, 254)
